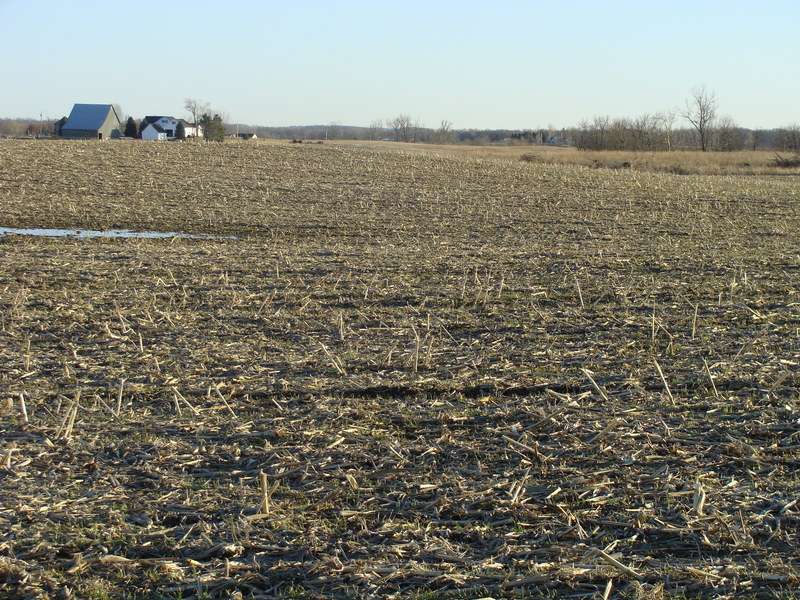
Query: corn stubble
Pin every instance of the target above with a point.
(407, 375)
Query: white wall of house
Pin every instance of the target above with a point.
(192, 131)
(151, 133)
(169, 125)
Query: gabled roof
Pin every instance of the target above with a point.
(157, 127)
(153, 119)
(89, 116)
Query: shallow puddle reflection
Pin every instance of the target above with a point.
(106, 233)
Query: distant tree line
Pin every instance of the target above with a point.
(25, 127)
(410, 131)
(639, 135)
(706, 130)
(644, 133)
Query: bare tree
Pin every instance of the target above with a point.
(701, 112)
(645, 131)
(788, 138)
(403, 128)
(616, 134)
(415, 133)
(375, 129)
(224, 115)
(600, 124)
(196, 108)
(445, 135)
(594, 135)
(548, 134)
(666, 121)
(333, 131)
(728, 135)
(755, 138)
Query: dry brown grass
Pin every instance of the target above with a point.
(678, 162)
(761, 162)
(410, 376)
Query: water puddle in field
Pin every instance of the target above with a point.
(108, 233)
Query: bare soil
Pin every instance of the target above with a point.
(405, 376)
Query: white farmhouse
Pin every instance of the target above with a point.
(168, 126)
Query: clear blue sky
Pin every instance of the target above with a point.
(478, 64)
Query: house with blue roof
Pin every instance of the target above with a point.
(90, 122)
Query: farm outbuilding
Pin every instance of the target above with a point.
(91, 122)
(154, 132)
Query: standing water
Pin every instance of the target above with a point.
(107, 233)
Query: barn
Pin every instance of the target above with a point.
(91, 122)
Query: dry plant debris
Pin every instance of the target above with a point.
(408, 376)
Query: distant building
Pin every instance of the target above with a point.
(169, 126)
(248, 136)
(91, 122)
(154, 132)
(560, 141)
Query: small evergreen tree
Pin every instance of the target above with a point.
(219, 128)
(130, 128)
(205, 126)
(213, 128)
(180, 131)
(58, 125)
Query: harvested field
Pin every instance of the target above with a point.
(398, 375)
